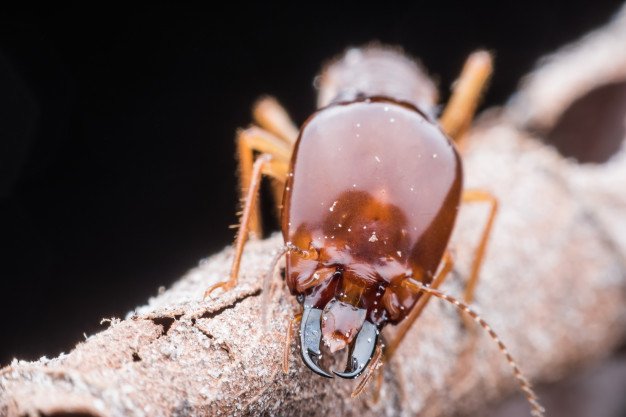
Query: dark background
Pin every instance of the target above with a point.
(117, 169)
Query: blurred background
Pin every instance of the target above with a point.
(117, 170)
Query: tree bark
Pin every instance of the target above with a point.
(553, 286)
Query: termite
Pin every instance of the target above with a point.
(370, 188)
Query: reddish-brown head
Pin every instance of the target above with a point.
(372, 197)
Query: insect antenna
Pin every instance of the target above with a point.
(288, 247)
(266, 282)
(536, 409)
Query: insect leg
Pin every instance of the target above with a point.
(265, 164)
(376, 368)
(459, 112)
(380, 376)
(288, 337)
(376, 361)
(479, 196)
(273, 117)
(406, 324)
(249, 141)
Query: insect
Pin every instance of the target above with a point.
(370, 189)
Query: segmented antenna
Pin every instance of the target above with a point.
(266, 282)
(536, 409)
(288, 247)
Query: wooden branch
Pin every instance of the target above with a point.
(553, 286)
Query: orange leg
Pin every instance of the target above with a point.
(380, 376)
(265, 164)
(274, 119)
(288, 336)
(371, 369)
(249, 141)
(459, 112)
(270, 115)
(274, 140)
(479, 196)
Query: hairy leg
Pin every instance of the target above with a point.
(272, 116)
(264, 165)
(376, 362)
(256, 140)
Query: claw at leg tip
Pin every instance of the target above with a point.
(223, 285)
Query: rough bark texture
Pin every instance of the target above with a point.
(553, 286)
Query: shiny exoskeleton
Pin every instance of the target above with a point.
(372, 196)
(372, 186)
